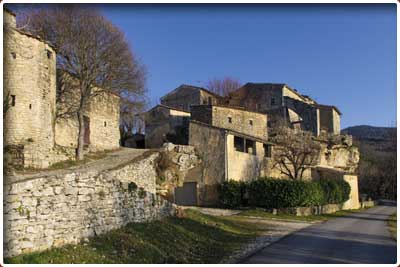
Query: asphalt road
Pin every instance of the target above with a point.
(357, 238)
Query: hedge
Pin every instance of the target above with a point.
(231, 194)
(277, 193)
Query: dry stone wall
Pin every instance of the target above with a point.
(49, 211)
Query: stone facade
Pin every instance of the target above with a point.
(279, 100)
(224, 158)
(239, 120)
(103, 125)
(185, 96)
(166, 124)
(30, 85)
(67, 206)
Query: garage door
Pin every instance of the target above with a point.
(187, 194)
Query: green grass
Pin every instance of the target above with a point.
(392, 224)
(263, 214)
(196, 238)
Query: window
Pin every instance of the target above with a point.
(267, 150)
(30, 106)
(105, 124)
(13, 100)
(272, 101)
(251, 122)
(238, 143)
(230, 119)
(14, 55)
(250, 147)
(48, 54)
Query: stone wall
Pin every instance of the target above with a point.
(102, 115)
(308, 113)
(209, 143)
(104, 122)
(243, 166)
(185, 96)
(329, 119)
(66, 207)
(239, 120)
(164, 124)
(257, 97)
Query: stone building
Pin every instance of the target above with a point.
(233, 145)
(187, 95)
(231, 136)
(284, 103)
(166, 124)
(33, 134)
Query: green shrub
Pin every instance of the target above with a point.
(282, 193)
(335, 191)
(231, 194)
(275, 193)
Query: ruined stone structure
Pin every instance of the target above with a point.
(166, 124)
(231, 136)
(33, 133)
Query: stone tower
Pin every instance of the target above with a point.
(30, 85)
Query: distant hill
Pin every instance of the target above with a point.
(371, 133)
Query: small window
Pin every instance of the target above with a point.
(48, 54)
(30, 106)
(14, 55)
(105, 124)
(272, 101)
(251, 122)
(238, 143)
(230, 119)
(13, 100)
(250, 147)
(267, 150)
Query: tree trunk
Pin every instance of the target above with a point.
(81, 136)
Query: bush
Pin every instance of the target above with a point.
(274, 193)
(231, 194)
(335, 191)
(277, 193)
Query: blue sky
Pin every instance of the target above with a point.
(343, 55)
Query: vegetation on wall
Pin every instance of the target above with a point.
(276, 193)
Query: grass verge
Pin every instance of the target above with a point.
(392, 224)
(196, 238)
(311, 218)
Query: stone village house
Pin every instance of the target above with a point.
(230, 135)
(34, 135)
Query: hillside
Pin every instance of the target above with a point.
(366, 132)
(377, 166)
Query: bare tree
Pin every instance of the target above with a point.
(296, 151)
(92, 50)
(223, 86)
